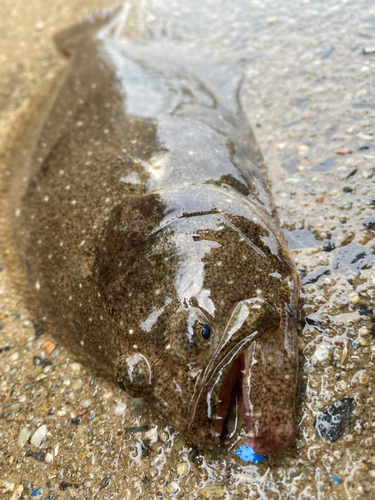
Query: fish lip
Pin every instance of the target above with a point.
(274, 441)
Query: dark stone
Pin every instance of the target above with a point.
(105, 482)
(146, 481)
(38, 332)
(76, 421)
(313, 278)
(38, 455)
(37, 361)
(64, 485)
(369, 223)
(4, 349)
(313, 322)
(363, 311)
(132, 430)
(328, 246)
(331, 423)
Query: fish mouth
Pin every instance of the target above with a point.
(252, 364)
(266, 438)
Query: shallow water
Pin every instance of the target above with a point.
(304, 101)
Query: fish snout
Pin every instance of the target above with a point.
(274, 439)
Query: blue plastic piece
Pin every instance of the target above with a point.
(248, 454)
(336, 479)
(36, 492)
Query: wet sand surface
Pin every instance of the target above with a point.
(310, 97)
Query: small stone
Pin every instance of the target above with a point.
(40, 456)
(75, 367)
(49, 347)
(17, 493)
(343, 151)
(77, 384)
(6, 485)
(38, 436)
(23, 436)
(133, 430)
(180, 443)
(322, 352)
(182, 469)
(331, 423)
(211, 492)
(39, 332)
(85, 403)
(37, 361)
(354, 298)
(360, 377)
(328, 246)
(81, 412)
(369, 223)
(49, 458)
(163, 436)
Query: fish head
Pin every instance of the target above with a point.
(209, 312)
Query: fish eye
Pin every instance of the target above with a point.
(204, 331)
(119, 381)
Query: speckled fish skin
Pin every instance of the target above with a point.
(143, 210)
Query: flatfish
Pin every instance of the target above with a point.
(139, 222)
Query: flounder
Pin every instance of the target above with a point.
(144, 230)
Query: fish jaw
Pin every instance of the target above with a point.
(269, 383)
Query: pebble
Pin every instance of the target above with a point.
(6, 485)
(75, 367)
(48, 458)
(23, 436)
(322, 352)
(40, 456)
(182, 469)
(17, 492)
(49, 347)
(354, 298)
(38, 436)
(212, 492)
(163, 436)
(39, 332)
(328, 246)
(331, 423)
(77, 384)
(360, 377)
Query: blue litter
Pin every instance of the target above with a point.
(36, 492)
(248, 454)
(336, 479)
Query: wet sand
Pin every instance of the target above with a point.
(310, 98)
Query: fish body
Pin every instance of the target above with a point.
(146, 232)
